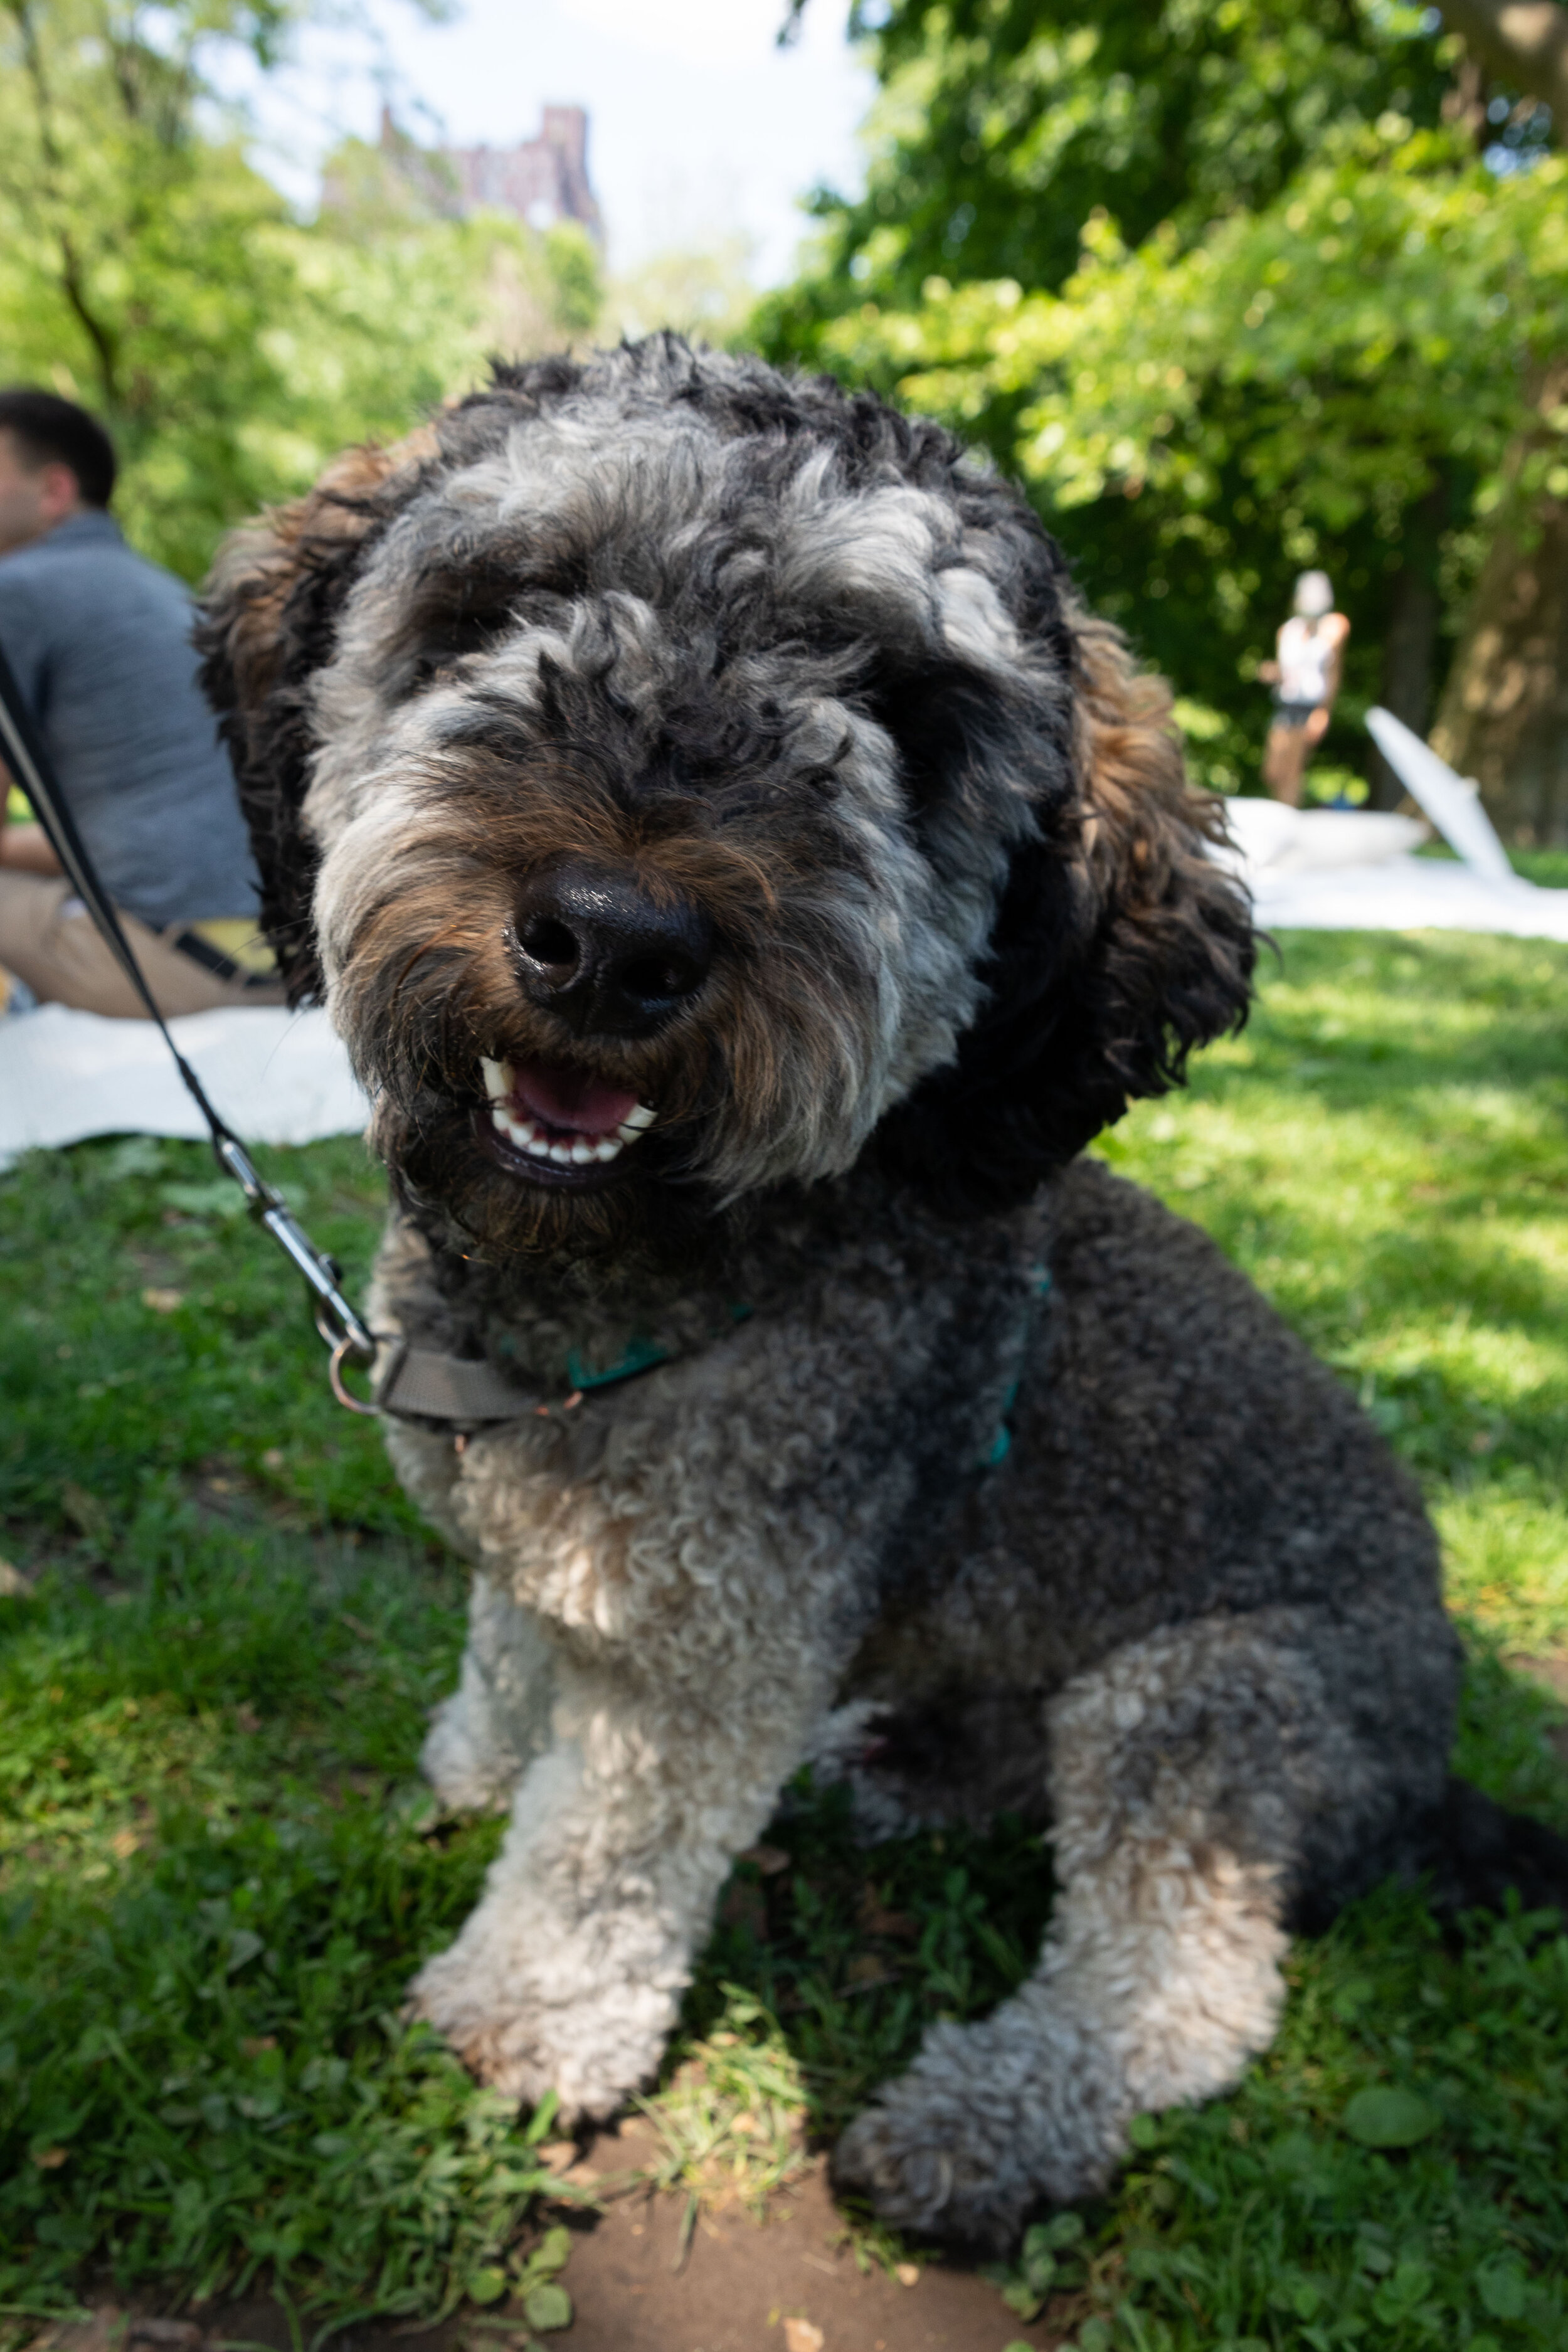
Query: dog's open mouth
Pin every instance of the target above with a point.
(563, 1122)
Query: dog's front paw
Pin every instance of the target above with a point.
(931, 2171)
(963, 2145)
(593, 2051)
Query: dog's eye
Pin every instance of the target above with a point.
(932, 715)
(449, 616)
(449, 640)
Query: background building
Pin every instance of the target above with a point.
(540, 181)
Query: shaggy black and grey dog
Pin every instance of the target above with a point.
(745, 877)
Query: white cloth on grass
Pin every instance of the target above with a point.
(1408, 894)
(276, 1077)
(1352, 869)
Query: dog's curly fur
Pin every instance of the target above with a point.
(786, 658)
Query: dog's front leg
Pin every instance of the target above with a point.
(568, 1976)
(483, 1736)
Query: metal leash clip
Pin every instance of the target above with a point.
(342, 1330)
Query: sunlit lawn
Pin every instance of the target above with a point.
(218, 1867)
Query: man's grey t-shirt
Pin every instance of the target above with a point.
(99, 640)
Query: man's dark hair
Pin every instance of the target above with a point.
(50, 431)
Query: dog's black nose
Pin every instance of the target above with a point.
(599, 949)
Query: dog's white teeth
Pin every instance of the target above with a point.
(583, 1151)
(636, 1121)
(497, 1077)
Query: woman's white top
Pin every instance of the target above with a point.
(1305, 653)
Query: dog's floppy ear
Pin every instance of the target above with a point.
(1118, 947)
(267, 622)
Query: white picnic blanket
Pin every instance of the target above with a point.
(276, 1077)
(1353, 871)
(1408, 894)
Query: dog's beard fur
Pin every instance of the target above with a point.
(774, 1073)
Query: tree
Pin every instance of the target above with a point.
(1524, 43)
(1504, 714)
(536, 289)
(701, 290)
(147, 270)
(1230, 288)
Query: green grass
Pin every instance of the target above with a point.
(218, 1868)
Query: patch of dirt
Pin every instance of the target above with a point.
(790, 2284)
(743, 2282)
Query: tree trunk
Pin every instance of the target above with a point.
(1504, 713)
(1524, 42)
(1410, 636)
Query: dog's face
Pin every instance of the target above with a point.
(678, 778)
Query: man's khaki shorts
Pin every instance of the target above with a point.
(49, 940)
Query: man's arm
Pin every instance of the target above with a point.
(23, 847)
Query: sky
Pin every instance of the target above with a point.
(700, 126)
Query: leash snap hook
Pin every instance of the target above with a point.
(345, 1350)
(347, 1340)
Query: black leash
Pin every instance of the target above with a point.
(341, 1329)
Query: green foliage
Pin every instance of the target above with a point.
(856, 1953)
(1004, 125)
(576, 286)
(1222, 287)
(729, 2120)
(218, 1868)
(100, 1390)
(702, 291)
(1201, 422)
(1047, 2251)
(147, 270)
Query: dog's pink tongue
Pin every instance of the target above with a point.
(571, 1099)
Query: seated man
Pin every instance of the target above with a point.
(100, 643)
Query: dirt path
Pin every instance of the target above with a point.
(788, 2284)
(791, 2283)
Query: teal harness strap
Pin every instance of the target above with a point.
(1002, 1443)
(641, 1357)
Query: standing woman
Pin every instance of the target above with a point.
(1305, 679)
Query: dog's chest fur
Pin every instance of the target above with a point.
(823, 1411)
(825, 1473)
